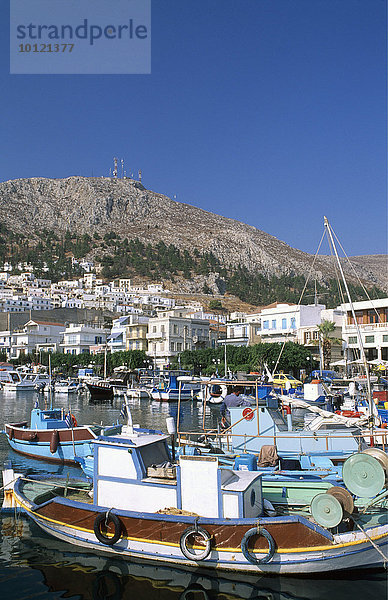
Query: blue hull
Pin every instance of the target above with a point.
(65, 452)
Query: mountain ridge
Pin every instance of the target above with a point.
(102, 204)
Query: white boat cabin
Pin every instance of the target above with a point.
(133, 472)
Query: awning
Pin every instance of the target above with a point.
(114, 336)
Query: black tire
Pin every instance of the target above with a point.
(183, 543)
(107, 518)
(250, 556)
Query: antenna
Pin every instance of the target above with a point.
(122, 167)
(115, 167)
(140, 175)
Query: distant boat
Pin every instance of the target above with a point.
(11, 381)
(100, 390)
(177, 385)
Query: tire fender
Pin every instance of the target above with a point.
(195, 555)
(107, 518)
(250, 556)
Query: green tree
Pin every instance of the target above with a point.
(215, 305)
(325, 329)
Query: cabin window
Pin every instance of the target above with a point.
(154, 454)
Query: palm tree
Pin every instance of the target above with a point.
(327, 341)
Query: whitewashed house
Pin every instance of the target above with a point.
(372, 319)
(80, 338)
(172, 332)
(36, 336)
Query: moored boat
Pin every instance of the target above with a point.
(177, 386)
(227, 526)
(54, 436)
(11, 381)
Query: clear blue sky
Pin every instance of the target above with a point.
(272, 112)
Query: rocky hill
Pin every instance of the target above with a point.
(88, 205)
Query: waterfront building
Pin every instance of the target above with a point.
(117, 339)
(36, 336)
(136, 332)
(172, 332)
(79, 338)
(6, 342)
(372, 320)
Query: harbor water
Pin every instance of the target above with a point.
(34, 566)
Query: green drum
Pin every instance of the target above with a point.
(326, 510)
(364, 475)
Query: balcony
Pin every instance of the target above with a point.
(351, 328)
(156, 335)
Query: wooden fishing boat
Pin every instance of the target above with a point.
(142, 505)
(54, 436)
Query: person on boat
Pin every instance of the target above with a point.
(232, 399)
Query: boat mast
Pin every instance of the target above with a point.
(362, 351)
(50, 388)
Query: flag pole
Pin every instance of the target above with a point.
(72, 429)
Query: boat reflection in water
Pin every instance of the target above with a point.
(86, 576)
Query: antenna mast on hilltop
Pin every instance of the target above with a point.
(122, 168)
(140, 175)
(115, 167)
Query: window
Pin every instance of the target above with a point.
(385, 338)
(352, 339)
(284, 323)
(179, 346)
(372, 316)
(359, 316)
(172, 346)
(369, 339)
(265, 324)
(273, 323)
(293, 323)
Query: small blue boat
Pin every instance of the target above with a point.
(54, 436)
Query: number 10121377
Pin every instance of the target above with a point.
(46, 47)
